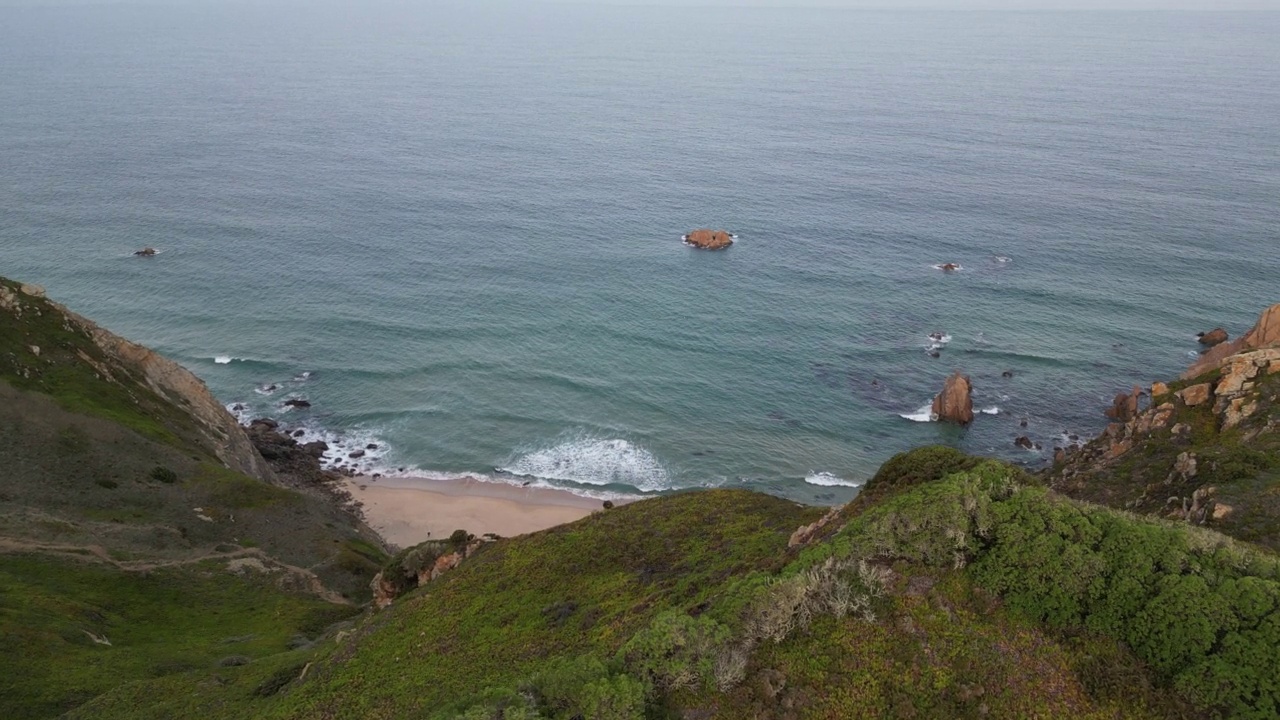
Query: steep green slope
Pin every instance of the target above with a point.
(71, 630)
(125, 516)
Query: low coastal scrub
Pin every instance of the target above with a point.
(1053, 583)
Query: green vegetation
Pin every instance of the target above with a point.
(70, 630)
(69, 367)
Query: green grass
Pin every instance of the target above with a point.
(159, 623)
(578, 589)
(61, 372)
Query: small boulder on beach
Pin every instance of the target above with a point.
(709, 239)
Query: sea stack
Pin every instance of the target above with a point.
(709, 239)
(955, 402)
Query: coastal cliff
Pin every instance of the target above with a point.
(157, 575)
(45, 344)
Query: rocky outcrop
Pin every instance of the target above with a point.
(421, 564)
(295, 465)
(146, 252)
(1264, 334)
(1234, 399)
(709, 239)
(806, 533)
(955, 403)
(1125, 405)
(1216, 336)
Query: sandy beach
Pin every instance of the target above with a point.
(407, 511)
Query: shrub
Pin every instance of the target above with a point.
(917, 467)
(586, 688)
(163, 474)
(675, 651)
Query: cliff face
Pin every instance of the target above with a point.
(221, 433)
(47, 348)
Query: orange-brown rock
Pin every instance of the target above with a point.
(1264, 334)
(709, 239)
(955, 402)
(1194, 395)
(1125, 406)
(1215, 336)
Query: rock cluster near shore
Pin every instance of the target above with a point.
(1166, 459)
(709, 239)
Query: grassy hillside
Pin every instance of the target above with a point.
(118, 521)
(963, 591)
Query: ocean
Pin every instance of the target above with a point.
(456, 230)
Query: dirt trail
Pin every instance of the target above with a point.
(99, 553)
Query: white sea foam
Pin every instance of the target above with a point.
(924, 414)
(826, 479)
(1002, 259)
(223, 359)
(993, 410)
(593, 461)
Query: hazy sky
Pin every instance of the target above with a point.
(886, 4)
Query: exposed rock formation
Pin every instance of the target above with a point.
(1264, 334)
(955, 402)
(421, 564)
(1215, 336)
(805, 533)
(1125, 406)
(146, 252)
(709, 239)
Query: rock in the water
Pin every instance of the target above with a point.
(1024, 442)
(709, 239)
(1215, 336)
(298, 403)
(1264, 334)
(146, 252)
(955, 402)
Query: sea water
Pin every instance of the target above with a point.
(456, 230)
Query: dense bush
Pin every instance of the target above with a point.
(1186, 604)
(916, 467)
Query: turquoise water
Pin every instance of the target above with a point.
(466, 225)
